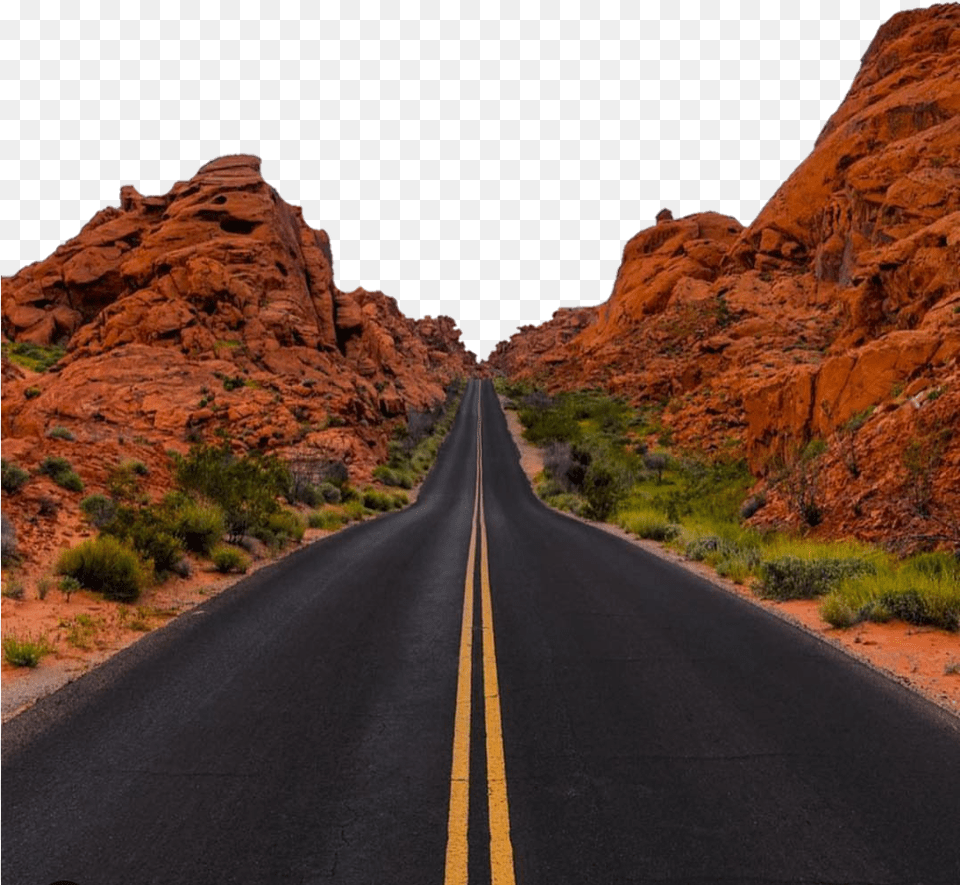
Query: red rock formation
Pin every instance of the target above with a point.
(210, 312)
(836, 314)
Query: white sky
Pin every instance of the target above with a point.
(482, 160)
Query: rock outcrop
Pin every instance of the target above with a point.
(834, 315)
(210, 313)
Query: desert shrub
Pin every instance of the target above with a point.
(400, 500)
(201, 526)
(374, 499)
(330, 492)
(14, 587)
(31, 392)
(656, 462)
(123, 481)
(230, 559)
(99, 509)
(325, 519)
(151, 532)
(792, 577)
(246, 488)
(62, 473)
(106, 565)
(605, 485)
(12, 477)
(334, 473)
(60, 433)
(8, 541)
(394, 476)
(939, 607)
(354, 510)
(837, 611)
(24, 651)
(280, 527)
(68, 585)
(568, 501)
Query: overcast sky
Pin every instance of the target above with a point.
(482, 160)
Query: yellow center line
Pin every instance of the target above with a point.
(501, 848)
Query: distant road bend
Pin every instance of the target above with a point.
(479, 690)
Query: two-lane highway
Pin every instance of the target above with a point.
(474, 690)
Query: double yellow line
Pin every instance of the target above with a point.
(501, 849)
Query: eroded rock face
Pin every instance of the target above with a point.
(212, 312)
(835, 314)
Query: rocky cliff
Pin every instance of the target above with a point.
(210, 312)
(834, 317)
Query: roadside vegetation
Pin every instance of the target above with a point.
(226, 508)
(608, 461)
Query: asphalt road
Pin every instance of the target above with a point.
(602, 716)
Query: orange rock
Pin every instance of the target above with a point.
(209, 311)
(835, 314)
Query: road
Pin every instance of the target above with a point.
(478, 689)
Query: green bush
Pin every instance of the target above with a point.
(105, 565)
(246, 488)
(280, 527)
(12, 477)
(394, 476)
(791, 577)
(60, 433)
(325, 519)
(400, 500)
(24, 652)
(99, 509)
(354, 510)
(230, 559)
(201, 526)
(32, 392)
(374, 499)
(62, 473)
(151, 532)
(330, 492)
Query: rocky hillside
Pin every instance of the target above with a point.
(210, 312)
(830, 325)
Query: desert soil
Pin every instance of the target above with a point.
(924, 659)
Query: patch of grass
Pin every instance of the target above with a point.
(12, 477)
(909, 591)
(60, 433)
(354, 510)
(81, 630)
(61, 472)
(25, 651)
(647, 523)
(106, 565)
(230, 559)
(328, 520)
(36, 357)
